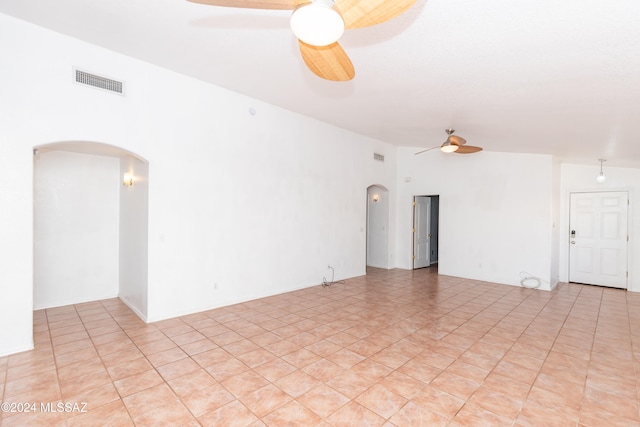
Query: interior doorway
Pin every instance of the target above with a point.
(598, 236)
(90, 225)
(377, 227)
(426, 216)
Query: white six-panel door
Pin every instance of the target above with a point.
(421, 231)
(598, 238)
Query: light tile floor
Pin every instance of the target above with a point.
(393, 348)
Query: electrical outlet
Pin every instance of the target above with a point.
(215, 286)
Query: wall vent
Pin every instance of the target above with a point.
(93, 80)
(379, 157)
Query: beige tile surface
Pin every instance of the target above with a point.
(392, 348)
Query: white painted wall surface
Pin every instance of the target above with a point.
(556, 201)
(495, 213)
(378, 227)
(133, 235)
(580, 178)
(16, 240)
(257, 204)
(269, 201)
(75, 228)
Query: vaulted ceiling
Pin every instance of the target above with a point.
(543, 76)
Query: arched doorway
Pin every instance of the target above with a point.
(378, 227)
(90, 226)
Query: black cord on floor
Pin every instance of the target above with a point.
(324, 279)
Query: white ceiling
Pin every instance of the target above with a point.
(535, 76)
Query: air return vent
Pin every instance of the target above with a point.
(84, 78)
(379, 157)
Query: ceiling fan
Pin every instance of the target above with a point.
(454, 144)
(318, 24)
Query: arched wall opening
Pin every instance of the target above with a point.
(378, 226)
(90, 225)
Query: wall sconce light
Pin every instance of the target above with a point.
(375, 198)
(601, 178)
(127, 180)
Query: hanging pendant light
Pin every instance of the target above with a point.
(601, 177)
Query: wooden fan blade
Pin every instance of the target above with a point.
(255, 4)
(364, 13)
(424, 151)
(458, 140)
(329, 62)
(467, 149)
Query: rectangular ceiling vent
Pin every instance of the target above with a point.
(93, 80)
(378, 157)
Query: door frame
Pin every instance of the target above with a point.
(434, 223)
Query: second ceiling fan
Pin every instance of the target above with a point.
(454, 144)
(318, 24)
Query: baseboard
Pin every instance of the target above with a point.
(14, 350)
(134, 309)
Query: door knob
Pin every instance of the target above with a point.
(573, 242)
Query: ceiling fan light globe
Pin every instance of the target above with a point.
(317, 23)
(601, 178)
(448, 147)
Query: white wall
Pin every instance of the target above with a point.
(255, 204)
(75, 228)
(495, 213)
(133, 235)
(576, 178)
(378, 227)
(16, 240)
(268, 201)
(556, 219)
